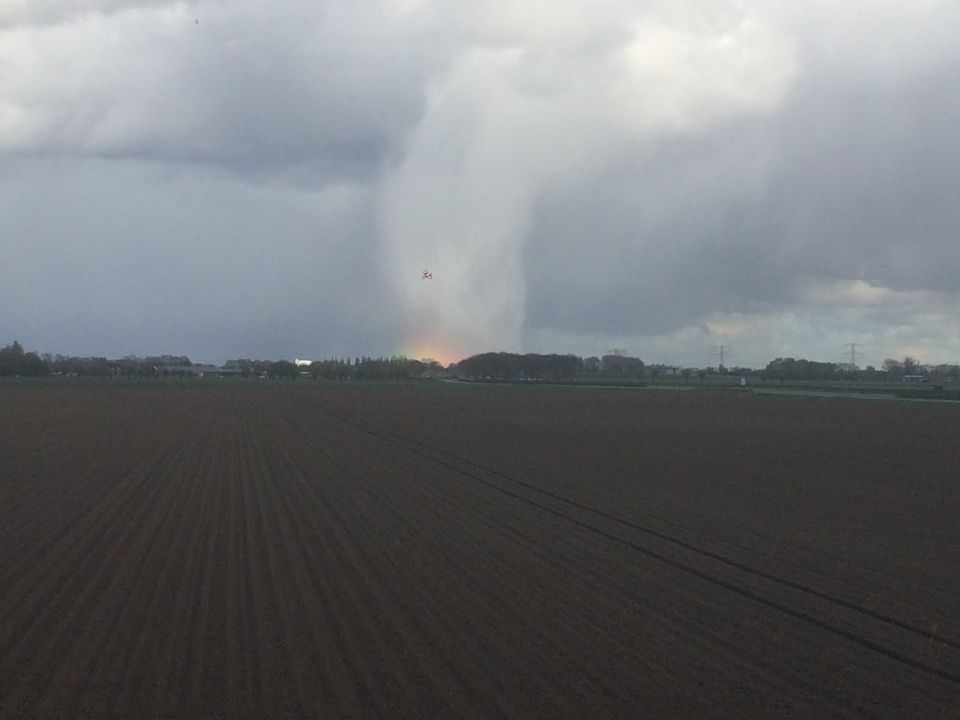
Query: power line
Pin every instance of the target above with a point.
(721, 351)
(852, 352)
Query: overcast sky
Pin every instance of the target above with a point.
(244, 178)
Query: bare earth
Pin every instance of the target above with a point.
(311, 550)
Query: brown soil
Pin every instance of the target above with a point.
(308, 550)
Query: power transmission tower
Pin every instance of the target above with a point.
(852, 352)
(720, 350)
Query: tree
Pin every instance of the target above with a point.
(893, 368)
(622, 366)
(14, 361)
(282, 369)
(790, 369)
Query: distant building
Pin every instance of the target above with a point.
(198, 370)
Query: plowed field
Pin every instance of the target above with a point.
(310, 550)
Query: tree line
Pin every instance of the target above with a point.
(551, 367)
(502, 366)
(15, 361)
(360, 368)
(891, 370)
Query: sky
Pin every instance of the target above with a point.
(244, 178)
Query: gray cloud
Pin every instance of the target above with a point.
(324, 88)
(852, 179)
(271, 180)
(141, 258)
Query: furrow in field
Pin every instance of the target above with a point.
(312, 654)
(65, 499)
(362, 609)
(134, 603)
(35, 476)
(445, 457)
(567, 622)
(283, 677)
(859, 633)
(356, 514)
(59, 491)
(164, 582)
(606, 596)
(300, 550)
(635, 470)
(58, 602)
(106, 656)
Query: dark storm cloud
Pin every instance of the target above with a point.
(652, 247)
(251, 178)
(867, 186)
(138, 258)
(854, 178)
(203, 188)
(45, 12)
(252, 86)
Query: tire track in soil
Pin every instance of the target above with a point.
(377, 681)
(728, 671)
(432, 454)
(444, 672)
(465, 518)
(341, 513)
(813, 563)
(392, 463)
(576, 567)
(374, 473)
(258, 558)
(859, 579)
(324, 573)
(952, 690)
